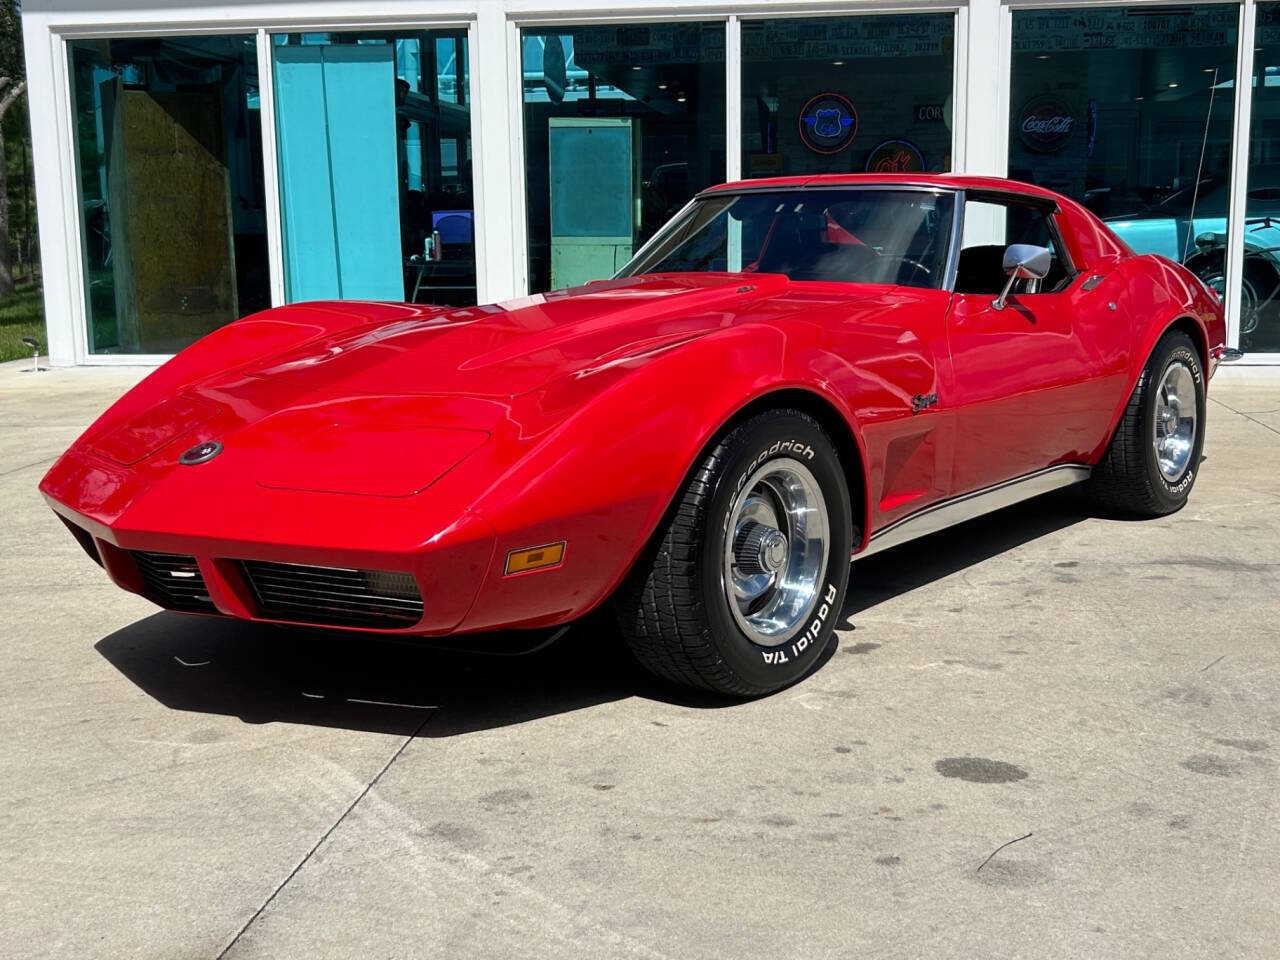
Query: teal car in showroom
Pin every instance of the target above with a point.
(1168, 228)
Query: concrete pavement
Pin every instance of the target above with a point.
(1105, 693)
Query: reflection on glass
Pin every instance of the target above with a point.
(622, 126)
(1129, 110)
(374, 134)
(169, 151)
(832, 236)
(1260, 285)
(847, 94)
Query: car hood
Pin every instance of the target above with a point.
(401, 394)
(512, 348)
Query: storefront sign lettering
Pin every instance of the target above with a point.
(1046, 123)
(828, 123)
(895, 156)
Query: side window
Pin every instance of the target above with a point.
(990, 226)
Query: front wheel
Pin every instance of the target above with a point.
(742, 588)
(1154, 456)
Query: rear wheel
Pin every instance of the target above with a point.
(1259, 286)
(742, 588)
(1154, 456)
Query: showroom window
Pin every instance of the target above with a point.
(169, 169)
(1260, 282)
(374, 137)
(847, 94)
(622, 126)
(1129, 110)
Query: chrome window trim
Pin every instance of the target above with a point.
(658, 235)
(957, 240)
(749, 187)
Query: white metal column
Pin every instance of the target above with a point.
(495, 142)
(985, 110)
(48, 100)
(1240, 168)
(959, 90)
(271, 167)
(733, 99)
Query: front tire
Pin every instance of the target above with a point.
(742, 588)
(1151, 463)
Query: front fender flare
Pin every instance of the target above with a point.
(604, 477)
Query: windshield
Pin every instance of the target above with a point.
(889, 236)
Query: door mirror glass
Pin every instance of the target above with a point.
(1024, 261)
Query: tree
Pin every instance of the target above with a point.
(13, 85)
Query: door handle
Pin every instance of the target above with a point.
(1093, 281)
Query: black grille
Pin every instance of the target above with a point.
(333, 596)
(173, 580)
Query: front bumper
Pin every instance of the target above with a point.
(228, 536)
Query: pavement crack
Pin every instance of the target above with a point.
(26, 466)
(325, 836)
(1241, 413)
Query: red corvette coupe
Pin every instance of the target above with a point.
(791, 373)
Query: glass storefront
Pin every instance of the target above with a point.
(847, 94)
(1130, 111)
(170, 181)
(374, 137)
(1260, 283)
(1129, 107)
(622, 126)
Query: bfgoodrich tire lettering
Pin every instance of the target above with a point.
(674, 609)
(1130, 477)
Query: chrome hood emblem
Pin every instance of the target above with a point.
(201, 453)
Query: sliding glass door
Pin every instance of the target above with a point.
(374, 144)
(622, 126)
(170, 188)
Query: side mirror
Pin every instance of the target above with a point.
(1023, 261)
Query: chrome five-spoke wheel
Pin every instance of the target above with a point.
(1175, 421)
(742, 592)
(776, 551)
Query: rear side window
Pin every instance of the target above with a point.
(991, 226)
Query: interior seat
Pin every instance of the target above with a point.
(981, 269)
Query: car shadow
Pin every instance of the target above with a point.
(263, 674)
(920, 562)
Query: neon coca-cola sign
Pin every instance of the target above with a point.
(1045, 124)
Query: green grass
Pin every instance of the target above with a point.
(21, 315)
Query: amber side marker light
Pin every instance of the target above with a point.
(535, 558)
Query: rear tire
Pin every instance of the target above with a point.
(741, 589)
(1151, 463)
(1259, 287)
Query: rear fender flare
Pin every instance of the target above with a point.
(1186, 305)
